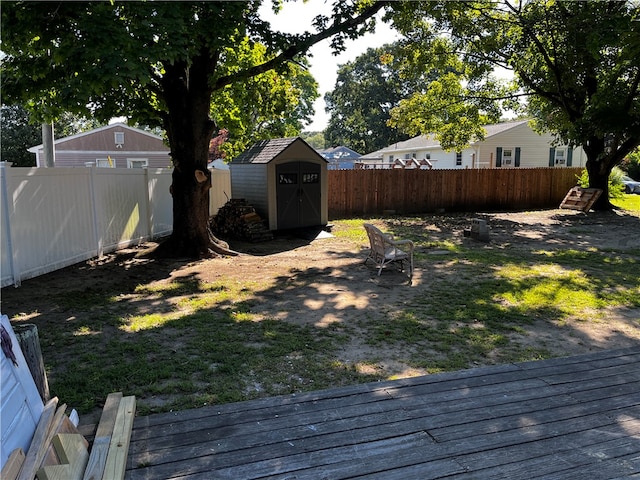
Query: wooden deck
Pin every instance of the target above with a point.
(568, 418)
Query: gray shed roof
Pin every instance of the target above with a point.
(265, 151)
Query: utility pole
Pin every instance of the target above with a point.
(47, 144)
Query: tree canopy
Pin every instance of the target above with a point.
(158, 63)
(575, 63)
(366, 90)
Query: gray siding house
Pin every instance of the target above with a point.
(113, 146)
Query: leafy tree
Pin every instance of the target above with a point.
(270, 105)
(18, 133)
(365, 91)
(314, 139)
(575, 62)
(159, 63)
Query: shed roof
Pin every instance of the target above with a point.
(265, 151)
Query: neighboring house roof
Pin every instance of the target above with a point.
(112, 126)
(430, 141)
(339, 153)
(265, 151)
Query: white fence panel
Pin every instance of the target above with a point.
(160, 202)
(220, 192)
(50, 217)
(121, 206)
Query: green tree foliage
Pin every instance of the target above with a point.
(270, 105)
(314, 139)
(575, 62)
(18, 133)
(158, 63)
(365, 92)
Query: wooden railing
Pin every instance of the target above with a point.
(370, 192)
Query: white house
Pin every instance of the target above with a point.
(506, 145)
(111, 146)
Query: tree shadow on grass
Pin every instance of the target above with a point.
(176, 337)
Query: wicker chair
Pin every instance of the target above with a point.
(385, 250)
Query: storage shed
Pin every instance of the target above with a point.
(285, 180)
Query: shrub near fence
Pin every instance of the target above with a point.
(372, 192)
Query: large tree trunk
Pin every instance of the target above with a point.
(189, 130)
(599, 168)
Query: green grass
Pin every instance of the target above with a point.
(630, 202)
(188, 343)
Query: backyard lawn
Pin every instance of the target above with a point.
(294, 314)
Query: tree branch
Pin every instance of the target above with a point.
(302, 46)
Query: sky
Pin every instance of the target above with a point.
(296, 17)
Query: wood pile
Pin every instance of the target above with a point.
(58, 450)
(237, 219)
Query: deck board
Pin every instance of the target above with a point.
(574, 417)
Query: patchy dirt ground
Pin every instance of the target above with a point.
(323, 280)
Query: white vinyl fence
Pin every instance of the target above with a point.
(55, 217)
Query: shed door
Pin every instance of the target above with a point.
(298, 194)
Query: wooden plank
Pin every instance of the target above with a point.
(102, 439)
(485, 424)
(49, 420)
(581, 198)
(13, 465)
(72, 452)
(116, 462)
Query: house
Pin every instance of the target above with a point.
(340, 158)
(285, 180)
(506, 145)
(113, 146)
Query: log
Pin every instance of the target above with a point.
(27, 335)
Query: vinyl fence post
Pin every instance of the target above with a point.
(6, 224)
(94, 212)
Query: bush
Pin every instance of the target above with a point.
(631, 164)
(616, 187)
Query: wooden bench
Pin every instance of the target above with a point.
(384, 249)
(59, 452)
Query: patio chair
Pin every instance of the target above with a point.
(385, 250)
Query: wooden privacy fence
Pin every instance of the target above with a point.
(370, 192)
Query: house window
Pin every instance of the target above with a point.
(137, 162)
(561, 156)
(390, 158)
(409, 156)
(507, 156)
(119, 138)
(105, 162)
(427, 156)
(458, 158)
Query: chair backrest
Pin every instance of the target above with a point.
(376, 238)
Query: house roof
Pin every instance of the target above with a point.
(265, 151)
(94, 131)
(430, 141)
(339, 153)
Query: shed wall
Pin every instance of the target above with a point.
(249, 181)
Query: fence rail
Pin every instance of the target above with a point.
(370, 192)
(55, 217)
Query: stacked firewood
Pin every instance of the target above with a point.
(237, 219)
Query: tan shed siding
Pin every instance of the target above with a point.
(249, 181)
